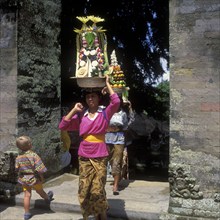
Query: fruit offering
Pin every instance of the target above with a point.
(91, 43)
(117, 75)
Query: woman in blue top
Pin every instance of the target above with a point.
(115, 139)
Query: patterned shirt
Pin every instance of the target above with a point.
(27, 164)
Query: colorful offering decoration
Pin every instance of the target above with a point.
(117, 77)
(91, 42)
(92, 59)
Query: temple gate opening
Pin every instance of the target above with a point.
(31, 97)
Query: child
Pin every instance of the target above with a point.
(30, 170)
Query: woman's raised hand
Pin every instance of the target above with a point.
(108, 85)
(78, 107)
(107, 79)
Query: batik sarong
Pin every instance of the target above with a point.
(116, 158)
(92, 181)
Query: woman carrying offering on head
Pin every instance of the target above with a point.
(92, 123)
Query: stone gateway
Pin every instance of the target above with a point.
(30, 78)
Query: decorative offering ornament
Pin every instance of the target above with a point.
(117, 77)
(91, 49)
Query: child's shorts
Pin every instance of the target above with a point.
(37, 186)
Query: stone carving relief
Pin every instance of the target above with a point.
(10, 4)
(182, 185)
(8, 176)
(217, 197)
(7, 167)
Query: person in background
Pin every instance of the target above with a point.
(115, 139)
(65, 158)
(30, 170)
(129, 136)
(92, 122)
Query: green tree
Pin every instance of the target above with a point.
(162, 101)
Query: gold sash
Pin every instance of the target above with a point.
(96, 138)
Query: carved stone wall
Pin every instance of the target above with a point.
(195, 110)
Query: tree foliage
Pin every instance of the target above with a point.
(161, 110)
(136, 30)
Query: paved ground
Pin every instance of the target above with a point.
(137, 200)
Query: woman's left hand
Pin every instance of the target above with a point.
(104, 90)
(108, 87)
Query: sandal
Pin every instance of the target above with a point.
(115, 192)
(50, 197)
(27, 216)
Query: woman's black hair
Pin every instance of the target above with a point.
(91, 90)
(96, 91)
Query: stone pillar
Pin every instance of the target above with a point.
(8, 78)
(195, 110)
(8, 94)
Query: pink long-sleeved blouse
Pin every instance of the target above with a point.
(94, 126)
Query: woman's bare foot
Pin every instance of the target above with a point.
(115, 190)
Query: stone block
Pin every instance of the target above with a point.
(207, 214)
(210, 107)
(180, 211)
